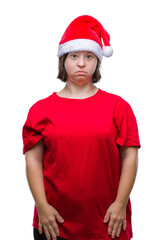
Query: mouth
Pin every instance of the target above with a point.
(81, 72)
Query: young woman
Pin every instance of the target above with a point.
(81, 146)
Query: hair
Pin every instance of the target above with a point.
(62, 75)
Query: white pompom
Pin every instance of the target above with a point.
(108, 51)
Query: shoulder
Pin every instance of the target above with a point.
(42, 105)
(117, 100)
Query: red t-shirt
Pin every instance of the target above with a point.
(81, 164)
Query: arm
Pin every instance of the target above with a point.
(128, 174)
(116, 213)
(47, 213)
(34, 158)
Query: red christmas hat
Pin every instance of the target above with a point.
(85, 33)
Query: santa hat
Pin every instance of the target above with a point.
(85, 33)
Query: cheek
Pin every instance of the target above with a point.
(68, 68)
(94, 68)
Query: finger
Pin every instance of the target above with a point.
(119, 230)
(107, 217)
(55, 228)
(54, 225)
(111, 225)
(52, 233)
(40, 228)
(124, 225)
(115, 228)
(47, 234)
(58, 217)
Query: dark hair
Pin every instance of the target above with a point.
(62, 75)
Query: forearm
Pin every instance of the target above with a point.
(35, 180)
(127, 178)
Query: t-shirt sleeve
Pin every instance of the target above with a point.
(126, 125)
(31, 131)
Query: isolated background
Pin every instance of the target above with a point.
(30, 32)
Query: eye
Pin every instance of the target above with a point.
(89, 56)
(74, 56)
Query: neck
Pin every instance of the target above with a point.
(79, 91)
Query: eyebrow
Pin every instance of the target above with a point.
(80, 51)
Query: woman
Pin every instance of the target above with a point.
(81, 146)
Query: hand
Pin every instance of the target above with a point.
(116, 218)
(47, 221)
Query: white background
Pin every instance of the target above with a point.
(30, 33)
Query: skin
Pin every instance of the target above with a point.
(47, 214)
(80, 86)
(115, 215)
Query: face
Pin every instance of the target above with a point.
(80, 66)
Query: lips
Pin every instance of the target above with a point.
(81, 72)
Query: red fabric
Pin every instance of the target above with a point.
(81, 163)
(86, 27)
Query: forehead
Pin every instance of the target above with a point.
(82, 52)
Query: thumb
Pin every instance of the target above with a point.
(59, 218)
(107, 217)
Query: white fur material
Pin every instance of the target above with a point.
(108, 51)
(80, 45)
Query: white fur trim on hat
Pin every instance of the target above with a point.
(108, 51)
(80, 45)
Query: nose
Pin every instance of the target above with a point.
(81, 61)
